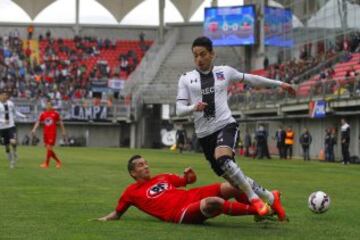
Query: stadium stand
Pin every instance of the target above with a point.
(65, 67)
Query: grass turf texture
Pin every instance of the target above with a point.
(40, 203)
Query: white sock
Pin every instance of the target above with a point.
(236, 177)
(14, 155)
(9, 156)
(261, 191)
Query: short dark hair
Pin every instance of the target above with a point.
(131, 164)
(203, 42)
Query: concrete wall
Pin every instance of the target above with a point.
(96, 134)
(317, 129)
(188, 32)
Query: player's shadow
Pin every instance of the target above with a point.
(212, 224)
(242, 225)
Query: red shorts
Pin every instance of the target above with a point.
(50, 138)
(190, 211)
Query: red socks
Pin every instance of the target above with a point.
(237, 209)
(51, 154)
(242, 198)
(55, 157)
(48, 156)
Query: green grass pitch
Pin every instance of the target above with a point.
(53, 204)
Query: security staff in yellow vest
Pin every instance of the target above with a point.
(289, 142)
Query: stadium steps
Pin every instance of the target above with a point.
(164, 88)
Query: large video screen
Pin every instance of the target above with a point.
(278, 27)
(227, 26)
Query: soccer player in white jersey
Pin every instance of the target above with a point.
(7, 126)
(203, 93)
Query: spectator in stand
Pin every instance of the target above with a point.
(266, 63)
(124, 65)
(48, 35)
(30, 31)
(107, 43)
(142, 37)
(60, 67)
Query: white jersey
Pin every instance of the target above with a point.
(212, 88)
(7, 114)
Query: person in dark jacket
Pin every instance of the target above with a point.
(345, 141)
(247, 143)
(330, 142)
(280, 142)
(262, 145)
(181, 139)
(305, 141)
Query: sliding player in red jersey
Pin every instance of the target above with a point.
(163, 197)
(50, 118)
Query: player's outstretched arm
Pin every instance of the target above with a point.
(258, 81)
(287, 87)
(267, 82)
(111, 216)
(19, 114)
(189, 175)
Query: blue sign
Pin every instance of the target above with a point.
(228, 26)
(317, 109)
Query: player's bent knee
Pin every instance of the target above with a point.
(211, 206)
(228, 191)
(223, 151)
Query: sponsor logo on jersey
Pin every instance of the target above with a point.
(48, 121)
(220, 76)
(157, 189)
(208, 90)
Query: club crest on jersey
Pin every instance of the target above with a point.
(48, 121)
(157, 189)
(220, 76)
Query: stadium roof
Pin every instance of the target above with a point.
(118, 8)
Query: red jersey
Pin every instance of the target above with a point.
(50, 118)
(158, 197)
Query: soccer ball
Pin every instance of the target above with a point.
(319, 202)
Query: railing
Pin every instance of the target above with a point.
(79, 110)
(327, 89)
(317, 69)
